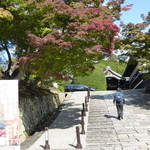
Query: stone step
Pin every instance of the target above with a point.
(102, 117)
(116, 147)
(99, 115)
(97, 111)
(98, 121)
(103, 128)
(100, 145)
(102, 137)
(124, 144)
(99, 133)
(102, 141)
(99, 130)
(102, 132)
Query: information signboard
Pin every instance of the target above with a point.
(9, 115)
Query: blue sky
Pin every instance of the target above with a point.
(139, 7)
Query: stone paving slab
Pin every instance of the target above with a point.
(131, 133)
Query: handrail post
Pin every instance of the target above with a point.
(84, 114)
(86, 106)
(82, 125)
(81, 112)
(88, 93)
(86, 98)
(78, 138)
(46, 147)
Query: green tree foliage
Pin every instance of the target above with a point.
(56, 39)
(117, 66)
(5, 14)
(136, 39)
(81, 34)
(24, 20)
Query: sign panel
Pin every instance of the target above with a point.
(9, 115)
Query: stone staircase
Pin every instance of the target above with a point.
(105, 131)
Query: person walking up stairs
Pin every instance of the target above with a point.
(119, 100)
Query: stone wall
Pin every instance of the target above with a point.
(34, 110)
(147, 86)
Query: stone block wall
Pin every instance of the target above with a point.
(147, 86)
(34, 110)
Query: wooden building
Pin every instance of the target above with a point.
(133, 76)
(112, 78)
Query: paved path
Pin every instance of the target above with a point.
(62, 132)
(106, 132)
(103, 130)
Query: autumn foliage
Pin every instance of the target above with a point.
(60, 38)
(77, 37)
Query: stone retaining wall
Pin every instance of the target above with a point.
(34, 110)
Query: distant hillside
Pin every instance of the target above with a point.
(96, 79)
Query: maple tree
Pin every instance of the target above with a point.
(80, 36)
(58, 39)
